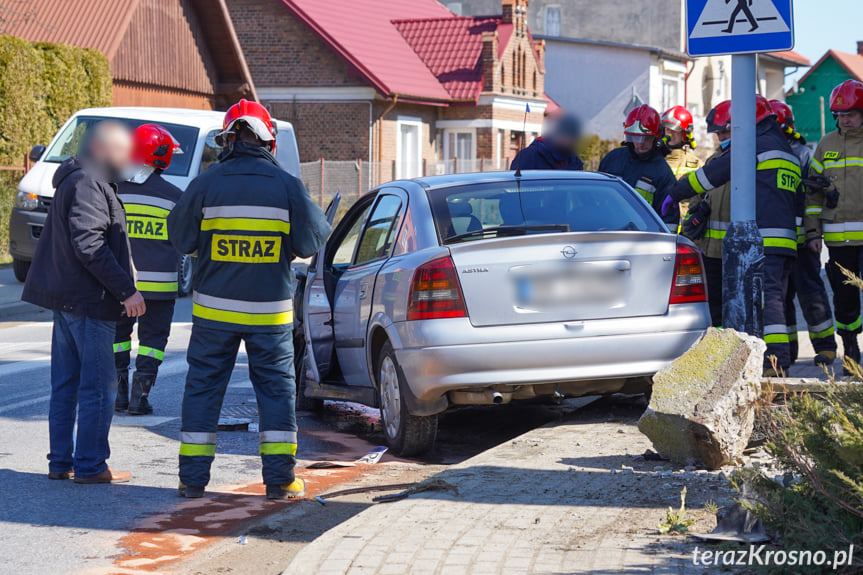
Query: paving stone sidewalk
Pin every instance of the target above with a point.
(575, 496)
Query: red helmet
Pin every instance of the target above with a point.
(154, 146)
(847, 96)
(253, 115)
(784, 115)
(641, 122)
(762, 108)
(719, 118)
(677, 119)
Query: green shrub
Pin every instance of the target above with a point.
(592, 149)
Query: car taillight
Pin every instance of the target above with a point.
(435, 292)
(688, 285)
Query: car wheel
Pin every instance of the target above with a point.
(184, 276)
(406, 434)
(20, 268)
(303, 403)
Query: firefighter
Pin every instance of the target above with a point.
(677, 127)
(148, 199)
(834, 209)
(639, 161)
(246, 218)
(806, 283)
(706, 221)
(776, 186)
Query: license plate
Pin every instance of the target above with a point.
(570, 285)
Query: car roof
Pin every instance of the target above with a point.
(183, 116)
(433, 182)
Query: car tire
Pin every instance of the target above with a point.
(301, 402)
(184, 276)
(20, 268)
(406, 434)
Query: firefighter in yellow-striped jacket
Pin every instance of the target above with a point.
(246, 218)
(834, 207)
(148, 198)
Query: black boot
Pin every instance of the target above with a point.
(122, 402)
(142, 383)
(852, 349)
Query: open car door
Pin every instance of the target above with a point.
(317, 312)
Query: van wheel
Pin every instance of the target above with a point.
(301, 402)
(20, 268)
(406, 434)
(184, 276)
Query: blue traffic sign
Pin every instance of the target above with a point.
(738, 26)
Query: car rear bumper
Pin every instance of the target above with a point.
(24, 229)
(439, 356)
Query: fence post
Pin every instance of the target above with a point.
(455, 165)
(482, 165)
(425, 167)
(359, 177)
(394, 171)
(322, 182)
(26, 162)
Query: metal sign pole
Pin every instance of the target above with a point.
(743, 250)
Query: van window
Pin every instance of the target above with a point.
(211, 151)
(75, 134)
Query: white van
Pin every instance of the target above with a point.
(194, 129)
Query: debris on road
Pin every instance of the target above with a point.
(736, 524)
(427, 485)
(703, 404)
(370, 458)
(320, 500)
(241, 540)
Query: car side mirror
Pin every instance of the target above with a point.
(36, 152)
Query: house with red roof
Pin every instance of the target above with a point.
(810, 99)
(401, 83)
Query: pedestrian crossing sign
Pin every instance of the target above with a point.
(738, 26)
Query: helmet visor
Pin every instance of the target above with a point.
(639, 138)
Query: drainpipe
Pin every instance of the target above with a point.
(381, 127)
(686, 83)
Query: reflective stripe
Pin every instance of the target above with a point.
(699, 181)
(151, 352)
(243, 312)
(142, 210)
(843, 163)
(854, 326)
(843, 237)
(776, 338)
(246, 225)
(166, 287)
(844, 227)
(778, 233)
(779, 165)
(792, 329)
(122, 346)
(778, 155)
(816, 165)
(278, 449)
(775, 328)
(781, 243)
(147, 201)
(157, 276)
(253, 212)
(195, 450)
(648, 196)
(845, 232)
(822, 334)
(813, 210)
(199, 437)
(824, 325)
(278, 437)
(798, 220)
(776, 333)
(646, 186)
(715, 234)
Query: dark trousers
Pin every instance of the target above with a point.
(846, 298)
(154, 328)
(777, 271)
(713, 271)
(806, 284)
(212, 354)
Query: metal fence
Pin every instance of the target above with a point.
(352, 179)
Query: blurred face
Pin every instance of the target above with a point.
(643, 145)
(723, 136)
(675, 137)
(111, 147)
(850, 120)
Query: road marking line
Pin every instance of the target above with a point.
(12, 406)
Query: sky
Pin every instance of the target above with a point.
(820, 25)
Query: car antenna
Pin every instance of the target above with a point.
(523, 141)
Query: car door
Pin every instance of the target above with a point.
(332, 259)
(355, 287)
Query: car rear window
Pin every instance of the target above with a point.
(466, 213)
(75, 134)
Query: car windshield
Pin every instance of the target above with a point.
(70, 140)
(467, 213)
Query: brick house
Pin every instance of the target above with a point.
(397, 82)
(165, 53)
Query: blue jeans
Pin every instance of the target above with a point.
(83, 378)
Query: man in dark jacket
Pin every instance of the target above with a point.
(148, 198)
(247, 219)
(555, 150)
(82, 270)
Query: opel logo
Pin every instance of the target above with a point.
(569, 252)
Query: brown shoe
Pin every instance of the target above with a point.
(107, 476)
(61, 475)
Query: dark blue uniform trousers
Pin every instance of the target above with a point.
(154, 328)
(806, 284)
(211, 356)
(777, 271)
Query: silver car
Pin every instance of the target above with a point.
(481, 289)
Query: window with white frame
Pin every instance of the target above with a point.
(552, 21)
(670, 93)
(409, 151)
(460, 146)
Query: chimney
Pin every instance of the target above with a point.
(515, 12)
(860, 47)
(489, 61)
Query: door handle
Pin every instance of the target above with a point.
(363, 290)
